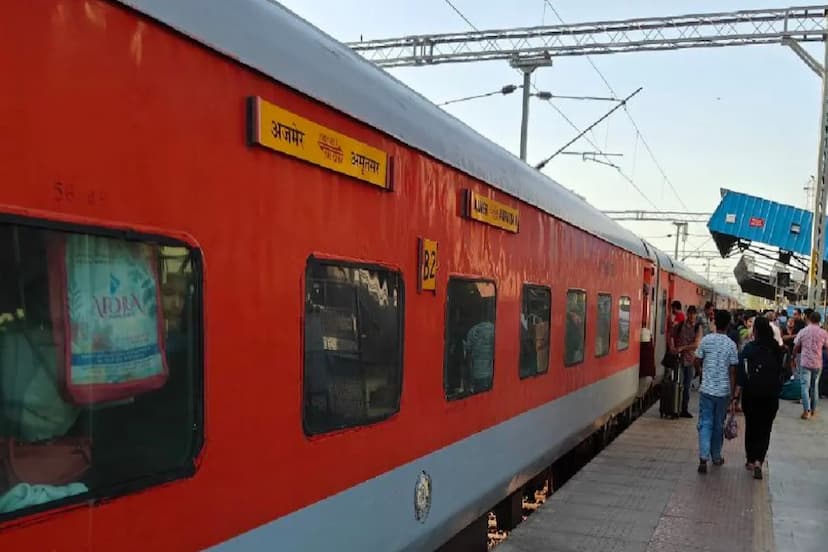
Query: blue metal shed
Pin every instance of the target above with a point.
(746, 218)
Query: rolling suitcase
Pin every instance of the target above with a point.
(671, 390)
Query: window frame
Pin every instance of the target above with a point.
(467, 278)
(597, 324)
(357, 264)
(629, 330)
(586, 313)
(549, 330)
(157, 479)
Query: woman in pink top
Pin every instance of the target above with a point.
(809, 343)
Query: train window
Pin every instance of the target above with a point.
(534, 330)
(100, 365)
(602, 336)
(353, 345)
(470, 337)
(575, 333)
(623, 323)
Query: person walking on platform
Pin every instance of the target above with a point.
(777, 332)
(717, 357)
(792, 328)
(686, 336)
(809, 344)
(676, 316)
(758, 384)
(706, 319)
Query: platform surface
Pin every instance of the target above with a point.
(643, 494)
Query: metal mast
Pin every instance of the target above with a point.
(818, 234)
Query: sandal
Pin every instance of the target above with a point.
(757, 472)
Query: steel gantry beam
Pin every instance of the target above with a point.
(761, 26)
(665, 216)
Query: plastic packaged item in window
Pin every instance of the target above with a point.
(106, 309)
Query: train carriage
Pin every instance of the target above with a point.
(270, 294)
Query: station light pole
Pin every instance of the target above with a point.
(527, 66)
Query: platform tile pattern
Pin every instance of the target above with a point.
(642, 494)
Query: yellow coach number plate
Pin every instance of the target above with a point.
(281, 130)
(428, 265)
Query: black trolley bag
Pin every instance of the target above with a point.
(671, 387)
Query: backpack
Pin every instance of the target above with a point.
(763, 368)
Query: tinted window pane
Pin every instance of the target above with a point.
(575, 327)
(534, 330)
(470, 331)
(353, 345)
(602, 336)
(99, 364)
(623, 323)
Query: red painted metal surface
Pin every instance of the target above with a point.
(117, 121)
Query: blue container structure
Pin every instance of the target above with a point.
(746, 219)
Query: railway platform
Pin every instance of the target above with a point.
(643, 494)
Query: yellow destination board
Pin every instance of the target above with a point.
(281, 130)
(489, 211)
(428, 265)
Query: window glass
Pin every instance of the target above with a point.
(575, 334)
(353, 345)
(100, 379)
(602, 336)
(623, 323)
(534, 330)
(470, 334)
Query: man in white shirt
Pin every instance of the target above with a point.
(777, 333)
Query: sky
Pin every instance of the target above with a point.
(744, 118)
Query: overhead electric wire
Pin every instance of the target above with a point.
(508, 89)
(702, 244)
(629, 116)
(620, 171)
(543, 163)
(567, 119)
(458, 12)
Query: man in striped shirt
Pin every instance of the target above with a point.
(717, 357)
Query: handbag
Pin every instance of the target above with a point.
(55, 462)
(731, 429)
(670, 360)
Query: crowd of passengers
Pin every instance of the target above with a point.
(745, 361)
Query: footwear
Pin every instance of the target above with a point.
(718, 462)
(813, 413)
(757, 472)
(685, 415)
(702, 466)
(805, 415)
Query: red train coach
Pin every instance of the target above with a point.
(254, 290)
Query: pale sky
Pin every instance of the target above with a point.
(745, 118)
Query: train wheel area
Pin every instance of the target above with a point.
(643, 493)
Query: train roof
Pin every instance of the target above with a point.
(669, 264)
(273, 40)
(681, 269)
